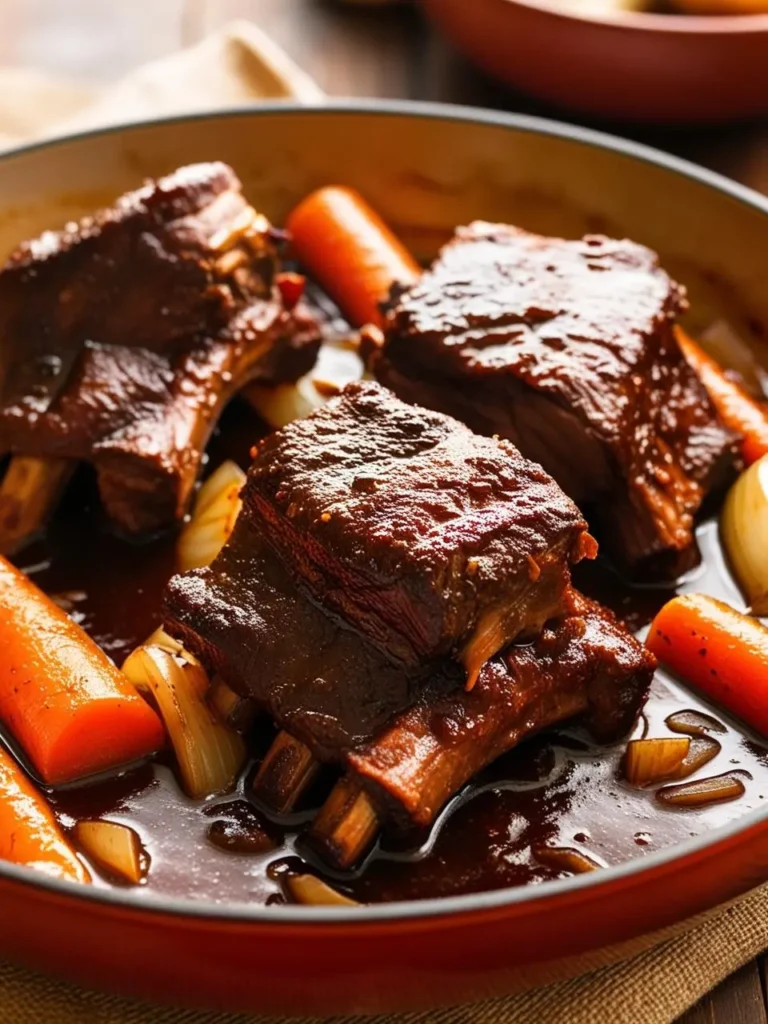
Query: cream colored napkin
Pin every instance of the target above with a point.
(235, 66)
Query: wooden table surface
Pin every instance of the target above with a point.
(358, 51)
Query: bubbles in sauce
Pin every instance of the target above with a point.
(557, 792)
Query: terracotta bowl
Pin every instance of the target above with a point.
(427, 169)
(647, 67)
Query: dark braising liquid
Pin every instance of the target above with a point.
(557, 789)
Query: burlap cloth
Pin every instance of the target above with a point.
(237, 65)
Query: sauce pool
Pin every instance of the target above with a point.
(557, 790)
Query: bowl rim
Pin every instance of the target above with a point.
(399, 912)
(647, 21)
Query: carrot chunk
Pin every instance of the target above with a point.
(737, 409)
(719, 651)
(29, 833)
(71, 710)
(350, 251)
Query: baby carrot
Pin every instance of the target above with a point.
(29, 833)
(737, 409)
(350, 251)
(65, 702)
(718, 650)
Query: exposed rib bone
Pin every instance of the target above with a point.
(346, 824)
(285, 773)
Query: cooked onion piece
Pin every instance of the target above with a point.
(229, 707)
(703, 749)
(703, 792)
(29, 493)
(213, 517)
(114, 848)
(169, 643)
(745, 533)
(652, 760)
(209, 754)
(312, 891)
(566, 858)
(694, 723)
(337, 364)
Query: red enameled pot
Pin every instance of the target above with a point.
(426, 168)
(664, 68)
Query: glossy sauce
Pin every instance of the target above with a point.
(555, 791)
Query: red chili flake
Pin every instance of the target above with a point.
(291, 288)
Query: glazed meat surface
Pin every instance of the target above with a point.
(567, 349)
(428, 539)
(378, 545)
(246, 619)
(125, 334)
(586, 666)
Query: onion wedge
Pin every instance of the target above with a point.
(703, 792)
(169, 643)
(209, 754)
(744, 528)
(653, 760)
(703, 750)
(213, 517)
(312, 891)
(29, 493)
(566, 858)
(693, 723)
(114, 848)
(338, 363)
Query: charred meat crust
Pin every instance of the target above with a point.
(125, 334)
(424, 536)
(585, 666)
(567, 349)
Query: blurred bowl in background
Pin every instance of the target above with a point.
(663, 68)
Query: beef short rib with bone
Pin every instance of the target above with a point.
(383, 556)
(567, 348)
(584, 665)
(422, 536)
(125, 334)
